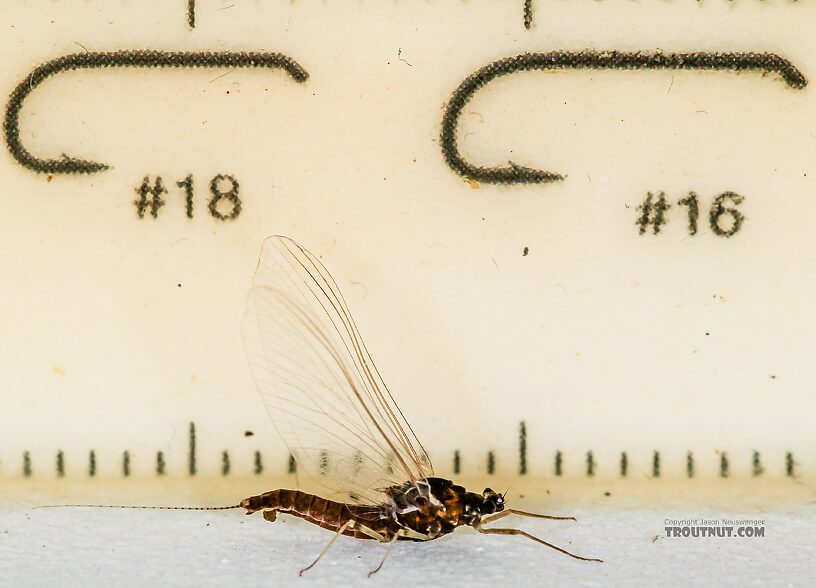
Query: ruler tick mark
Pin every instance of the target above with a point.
(292, 464)
(324, 463)
(191, 459)
(60, 464)
(528, 14)
(756, 465)
(225, 463)
(723, 465)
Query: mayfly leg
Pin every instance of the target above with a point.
(340, 531)
(387, 552)
(371, 533)
(401, 533)
(351, 524)
(521, 513)
(534, 538)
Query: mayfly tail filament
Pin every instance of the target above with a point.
(140, 507)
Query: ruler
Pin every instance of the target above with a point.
(575, 237)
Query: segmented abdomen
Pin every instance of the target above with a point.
(325, 513)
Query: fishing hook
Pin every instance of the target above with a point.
(580, 60)
(140, 59)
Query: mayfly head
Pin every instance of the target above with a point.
(491, 502)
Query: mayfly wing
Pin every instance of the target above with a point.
(318, 381)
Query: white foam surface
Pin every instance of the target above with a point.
(91, 547)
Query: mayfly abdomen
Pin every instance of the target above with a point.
(328, 514)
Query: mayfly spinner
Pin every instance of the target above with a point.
(340, 422)
(336, 415)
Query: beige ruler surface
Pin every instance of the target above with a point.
(577, 237)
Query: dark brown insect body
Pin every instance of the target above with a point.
(328, 514)
(415, 516)
(420, 511)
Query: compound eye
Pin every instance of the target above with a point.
(421, 501)
(488, 491)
